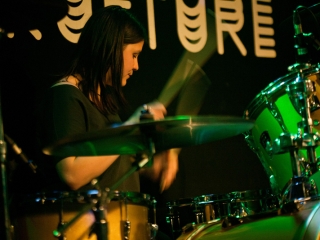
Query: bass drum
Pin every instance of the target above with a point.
(275, 113)
(40, 214)
(303, 224)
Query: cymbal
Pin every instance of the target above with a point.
(170, 132)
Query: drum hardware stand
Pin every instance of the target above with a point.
(142, 159)
(153, 227)
(20, 153)
(6, 219)
(100, 225)
(127, 223)
(61, 222)
(3, 153)
(301, 188)
(197, 213)
(231, 221)
(241, 211)
(173, 220)
(302, 95)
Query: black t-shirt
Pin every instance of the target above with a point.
(66, 111)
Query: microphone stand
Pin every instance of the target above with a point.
(302, 40)
(20, 154)
(3, 152)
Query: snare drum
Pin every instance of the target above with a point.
(275, 113)
(196, 210)
(39, 215)
(303, 224)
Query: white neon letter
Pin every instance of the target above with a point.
(230, 21)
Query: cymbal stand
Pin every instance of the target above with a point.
(141, 161)
(59, 232)
(141, 158)
(3, 152)
(99, 210)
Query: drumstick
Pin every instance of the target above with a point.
(192, 94)
(188, 61)
(175, 83)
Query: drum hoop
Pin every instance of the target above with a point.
(183, 202)
(83, 197)
(273, 90)
(211, 198)
(252, 195)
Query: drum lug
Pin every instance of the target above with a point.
(231, 221)
(153, 230)
(126, 229)
(286, 142)
(189, 227)
(241, 211)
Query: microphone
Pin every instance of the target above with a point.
(20, 153)
(300, 42)
(297, 22)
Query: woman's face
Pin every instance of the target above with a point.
(130, 60)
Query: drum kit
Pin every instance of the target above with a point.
(280, 125)
(108, 213)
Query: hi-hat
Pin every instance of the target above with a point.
(171, 132)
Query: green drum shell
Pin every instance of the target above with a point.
(271, 123)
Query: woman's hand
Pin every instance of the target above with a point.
(164, 168)
(156, 109)
(165, 164)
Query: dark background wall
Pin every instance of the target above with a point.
(29, 66)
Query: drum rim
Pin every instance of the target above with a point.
(193, 200)
(82, 197)
(253, 195)
(273, 89)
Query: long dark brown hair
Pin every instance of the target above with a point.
(100, 48)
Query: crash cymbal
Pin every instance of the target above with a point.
(171, 132)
